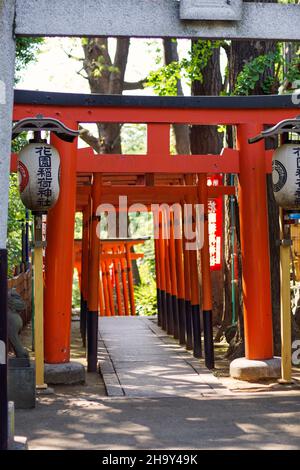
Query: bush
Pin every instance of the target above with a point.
(145, 297)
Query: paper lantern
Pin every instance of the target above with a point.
(286, 176)
(39, 174)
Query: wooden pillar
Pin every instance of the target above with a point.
(206, 277)
(105, 290)
(169, 316)
(85, 271)
(158, 287)
(187, 283)
(162, 267)
(195, 302)
(101, 296)
(93, 292)
(256, 280)
(38, 266)
(110, 289)
(130, 279)
(174, 279)
(180, 286)
(59, 257)
(118, 287)
(285, 301)
(124, 280)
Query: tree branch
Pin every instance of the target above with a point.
(135, 85)
(89, 139)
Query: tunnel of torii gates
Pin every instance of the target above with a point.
(88, 180)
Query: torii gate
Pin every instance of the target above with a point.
(169, 18)
(248, 114)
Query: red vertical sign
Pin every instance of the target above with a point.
(215, 224)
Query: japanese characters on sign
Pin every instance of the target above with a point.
(296, 152)
(286, 176)
(215, 221)
(44, 176)
(39, 170)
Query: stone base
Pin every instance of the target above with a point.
(19, 443)
(252, 370)
(69, 373)
(21, 383)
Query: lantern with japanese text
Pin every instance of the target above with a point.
(286, 176)
(39, 171)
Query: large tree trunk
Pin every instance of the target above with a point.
(242, 52)
(182, 132)
(108, 77)
(207, 139)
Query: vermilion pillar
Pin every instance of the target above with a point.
(187, 286)
(157, 275)
(206, 277)
(173, 276)
(180, 287)
(93, 276)
(130, 279)
(255, 245)
(162, 277)
(118, 287)
(59, 258)
(85, 271)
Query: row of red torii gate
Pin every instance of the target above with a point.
(88, 180)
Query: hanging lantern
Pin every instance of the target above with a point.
(39, 171)
(286, 176)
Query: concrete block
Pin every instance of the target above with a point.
(69, 373)
(11, 422)
(254, 370)
(21, 383)
(7, 65)
(155, 19)
(211, 10)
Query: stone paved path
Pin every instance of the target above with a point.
(138, 359)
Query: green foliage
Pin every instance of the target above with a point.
(76, 296)
(293, 71)
(145, 298)
(78, 226)
(164, 80)
(26, 52)
(267, 71)
(134, 139)
(141, 225)
(254, 71)
(16, 214)
(145, 293)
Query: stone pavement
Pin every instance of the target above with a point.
(159, 398)
(138, 359)
(65, 422)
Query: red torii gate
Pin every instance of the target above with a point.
(117, 253)
(248, 114)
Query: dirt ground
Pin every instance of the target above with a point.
(94, 384)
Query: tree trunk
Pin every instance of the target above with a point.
(108, 77)
(207, 139)
(182, 131)
(242, 52)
